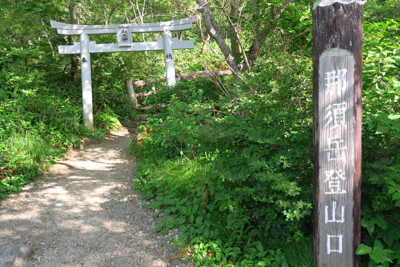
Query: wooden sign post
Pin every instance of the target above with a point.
(124, 44)
(337, 56)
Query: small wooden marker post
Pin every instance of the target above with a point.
(131, 93)
(337, 63)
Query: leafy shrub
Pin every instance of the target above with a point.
(107, 119)
(381, 134)
(14, 183)
(252, 158)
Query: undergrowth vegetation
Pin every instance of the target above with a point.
(39, 122)
(227, 162)
(234, 171)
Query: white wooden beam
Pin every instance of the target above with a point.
(73, 29)
(65, 26)
(142, 46)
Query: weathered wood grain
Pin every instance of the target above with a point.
(337, 64)
(336, 157)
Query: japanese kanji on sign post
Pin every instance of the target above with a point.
(337, 51)
(124, 44)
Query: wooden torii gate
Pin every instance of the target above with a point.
(124, 37)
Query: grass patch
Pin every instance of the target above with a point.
(27, 149)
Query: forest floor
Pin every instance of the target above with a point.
(83, 212)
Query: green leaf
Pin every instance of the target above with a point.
(393, 117)
(388, 238)
(206, 233)
(363, 249)
(377, 244)
(195, 209)
(183, 228)
(396, 196)
(159, 226)
(382, 223)
(265, 262)
(379, 256)
(199, 220)
(382, 129)
(371, 227)
(375, 257)
(183, 210)
(259, 246)
(170, 224)
(224, 206)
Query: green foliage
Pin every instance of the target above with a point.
(299, 253)
(228, 163)
(16, 182)
(107, 119)
(379, 256)
(381, 10)
(381, 134)
(26, 149)
(252, 149)
(185, 207)
(237, 175)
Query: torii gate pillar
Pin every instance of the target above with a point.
(86, 72)
(169, 58)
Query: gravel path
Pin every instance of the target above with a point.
(83, 212)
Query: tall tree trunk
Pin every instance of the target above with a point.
(234, 27)
(259, 39)
(72, 20)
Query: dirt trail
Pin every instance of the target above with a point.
(84, 213)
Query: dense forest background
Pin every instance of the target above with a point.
(230, 158)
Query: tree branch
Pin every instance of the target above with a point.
(234, 31)
(112, 11)
(215, 33)
(255, 47)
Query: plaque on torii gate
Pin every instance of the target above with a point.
(124, 44)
